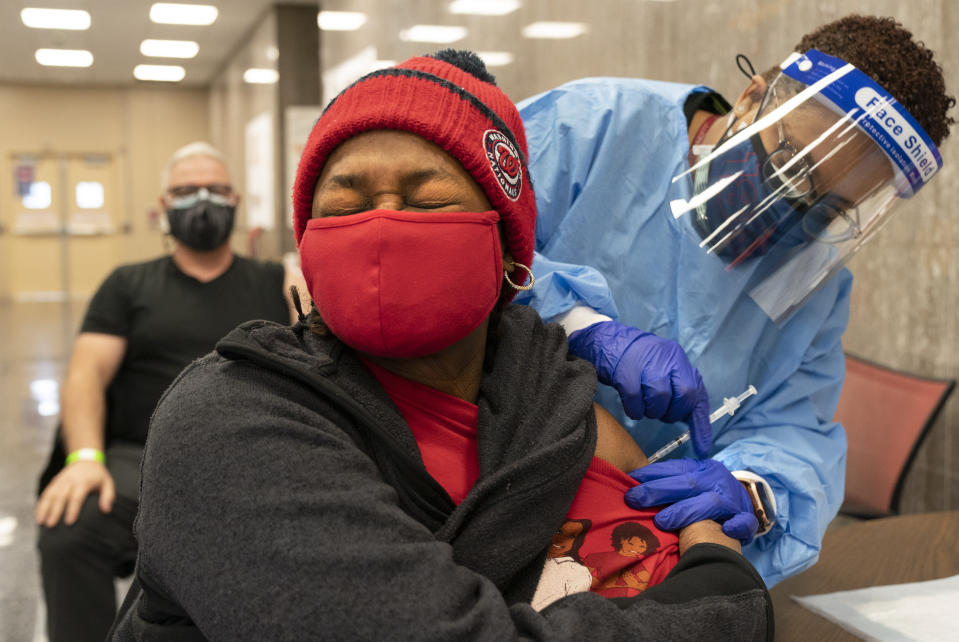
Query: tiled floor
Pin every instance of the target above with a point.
(34, 343)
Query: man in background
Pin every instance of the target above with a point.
(145, 323)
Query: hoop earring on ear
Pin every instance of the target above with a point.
(528, 286)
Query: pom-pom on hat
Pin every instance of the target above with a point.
(449, 99)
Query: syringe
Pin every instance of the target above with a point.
(729, 407)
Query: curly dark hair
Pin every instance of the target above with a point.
(579, 539)
(885, 51)
(629, 530)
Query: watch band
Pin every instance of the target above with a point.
(761, 494)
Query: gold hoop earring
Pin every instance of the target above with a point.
(528, 286)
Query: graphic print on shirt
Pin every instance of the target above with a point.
(619, 548)
(620, 572)
(564, 573)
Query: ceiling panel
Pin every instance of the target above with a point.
(118, 27)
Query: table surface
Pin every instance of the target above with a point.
(892, 550)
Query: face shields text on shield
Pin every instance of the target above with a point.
(786, 198)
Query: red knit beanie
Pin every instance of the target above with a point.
(450, 100)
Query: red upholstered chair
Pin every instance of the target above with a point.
(886, 414)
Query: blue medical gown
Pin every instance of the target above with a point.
(603, 153)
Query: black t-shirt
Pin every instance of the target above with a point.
(169, 319)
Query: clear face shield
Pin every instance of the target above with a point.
(786, 200)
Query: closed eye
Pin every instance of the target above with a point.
(435, 194)
(341, 203)
(431, 205)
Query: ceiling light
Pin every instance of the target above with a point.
(484, 7)
(433, 33)
(169, 48)
(340, 20)
(256, 76)
(554, 30)
(72, 19)
(495, 58)
(169, 13)
(164, 73)
(64, 57)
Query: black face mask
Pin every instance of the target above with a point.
(204, 225)
(771, 219)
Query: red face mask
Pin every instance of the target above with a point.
(403, 284)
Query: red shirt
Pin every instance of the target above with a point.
(445, 430)
(444, 427)
(640, 555)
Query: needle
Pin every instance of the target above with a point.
(729, 407)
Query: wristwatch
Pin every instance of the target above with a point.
(761, 494)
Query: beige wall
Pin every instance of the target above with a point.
(905, 305)
(139, 127)
(284, 39)
(233, 103)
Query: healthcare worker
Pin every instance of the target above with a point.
(723, 229)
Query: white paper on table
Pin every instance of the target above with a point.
(920, 611)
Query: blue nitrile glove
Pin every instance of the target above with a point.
(653, 376)
(696, 490)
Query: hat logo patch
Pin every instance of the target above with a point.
(504, 162)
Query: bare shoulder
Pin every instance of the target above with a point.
(613, 443)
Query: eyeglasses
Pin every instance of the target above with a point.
(830, 223)
(786, 172)
(789, 175)
(216, 189)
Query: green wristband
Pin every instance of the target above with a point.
(86, 454)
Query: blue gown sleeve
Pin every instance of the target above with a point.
(562, 157)
(561, 286)
(592, 190)
(789, 439)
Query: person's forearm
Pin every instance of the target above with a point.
(84, 412)
(705, 532)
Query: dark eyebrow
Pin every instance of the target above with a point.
(423, 175)
(414, 178)
(836, 200)
(345, 181)
(844, 202)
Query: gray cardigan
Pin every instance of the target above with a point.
(283, 498)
